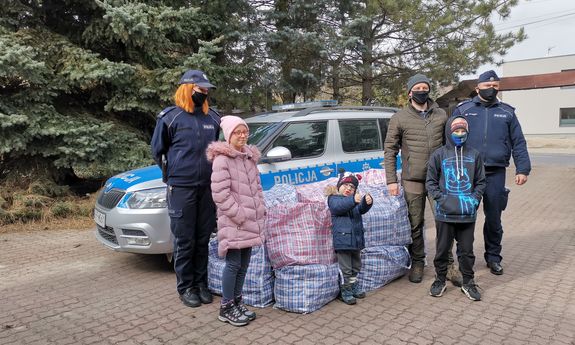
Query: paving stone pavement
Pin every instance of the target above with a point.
(63, 287)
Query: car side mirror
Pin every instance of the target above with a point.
(277, 154)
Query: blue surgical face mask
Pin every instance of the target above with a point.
(459, 139)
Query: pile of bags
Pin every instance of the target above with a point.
(297, 267)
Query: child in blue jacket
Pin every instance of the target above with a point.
(456, 181)
(346, 206)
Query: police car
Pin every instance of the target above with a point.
(300, 143)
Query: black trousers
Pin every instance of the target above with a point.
(416, 214)
(192, 220)
(494, 202)
(463, 234)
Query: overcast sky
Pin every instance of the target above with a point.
(550, 29)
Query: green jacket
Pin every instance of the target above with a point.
(417, 137)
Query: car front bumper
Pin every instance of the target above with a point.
(149, 235)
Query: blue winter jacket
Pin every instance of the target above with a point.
(495, 132)
(183, 137)
(455, 180)
(347, 225)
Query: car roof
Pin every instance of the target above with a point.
(324, 113)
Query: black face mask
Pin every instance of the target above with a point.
(420, 97)
(488, 94)
(199, 98)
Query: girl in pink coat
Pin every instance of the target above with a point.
(237, 193)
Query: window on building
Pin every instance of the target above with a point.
(567, 117)
(359, 135)
(304, 139)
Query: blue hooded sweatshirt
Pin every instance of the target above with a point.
(455, 180)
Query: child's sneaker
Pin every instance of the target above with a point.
(470, 290)
(346, 294)
(356, 291)
(242, 307)
(437, 288)
(229, 312)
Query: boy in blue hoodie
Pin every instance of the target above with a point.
(456, 181)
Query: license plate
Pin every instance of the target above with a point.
(100, 218)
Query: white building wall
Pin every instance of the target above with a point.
(538, 109)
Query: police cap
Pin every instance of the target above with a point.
(197, 77)
(487, 76)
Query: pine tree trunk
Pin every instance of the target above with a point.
(367, 72)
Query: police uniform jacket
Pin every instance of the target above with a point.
(183, 137)
(495, 132)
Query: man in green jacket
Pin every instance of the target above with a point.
(417, 130)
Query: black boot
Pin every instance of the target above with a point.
(242, 307)
(205, 294)
(190, 298)
(416, 272)
(229, 312)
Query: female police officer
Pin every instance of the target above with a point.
(181, 136)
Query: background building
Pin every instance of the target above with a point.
(542, 109)
(542, 91)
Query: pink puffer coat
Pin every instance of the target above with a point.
(237, 192)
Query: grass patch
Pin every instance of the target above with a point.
(28, 212)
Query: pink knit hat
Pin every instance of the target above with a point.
(229, 123)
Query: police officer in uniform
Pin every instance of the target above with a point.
(495, 132)
(179, 144)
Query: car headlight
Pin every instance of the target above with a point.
(149, 198)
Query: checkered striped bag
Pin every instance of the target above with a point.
(305, 289)
(259, 283)
(374, 177)
(299, 235)
(387, 222)
(280, 194)
(381, 265)
(314, 192)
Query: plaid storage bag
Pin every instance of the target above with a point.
(314, 192)
(387, 222)
(259, 283)
(280, 194)
(307, 288)
(381, 265)
(374, 177)
(299, 234)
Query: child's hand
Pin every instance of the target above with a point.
(368, 199)
(357, 198)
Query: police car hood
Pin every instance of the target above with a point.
(137, 179)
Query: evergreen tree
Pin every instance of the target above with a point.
(396, 38)
(82, 80)
(295, 45)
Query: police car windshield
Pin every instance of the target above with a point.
(261, 130)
